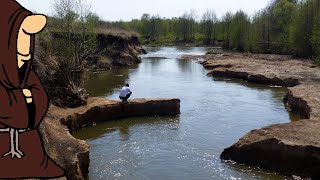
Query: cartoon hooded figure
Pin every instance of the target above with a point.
(23, 100)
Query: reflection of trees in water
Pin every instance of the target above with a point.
(124, 126)
(152, 49)
(183, 48)
(104, 83)
(184, 65)
(277, 93)
(193, 50)
(153, 61)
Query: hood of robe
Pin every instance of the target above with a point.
(12, 15)
(13, 105)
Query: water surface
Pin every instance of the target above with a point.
(215, 113)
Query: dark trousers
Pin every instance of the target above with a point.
(125, 98)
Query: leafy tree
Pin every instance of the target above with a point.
(186, 26)
(283, 27)
(239, 32)
(302, 30)
(282, 17)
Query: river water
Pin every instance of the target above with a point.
(215, 113)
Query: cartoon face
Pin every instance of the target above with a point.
(31, 25)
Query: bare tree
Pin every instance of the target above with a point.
(83, 9)
(192, 16)
(208, 21)
(84, 43)
(226, 21)
(69, 44)
(186, 26)
(74, 16)
(64, 10)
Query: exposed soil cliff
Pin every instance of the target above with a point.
(115, 51)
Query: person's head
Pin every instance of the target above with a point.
(127, 85)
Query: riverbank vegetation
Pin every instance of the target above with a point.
(68, 38)
(75, 40)
(283, 27)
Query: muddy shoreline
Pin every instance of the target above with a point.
(292, 148)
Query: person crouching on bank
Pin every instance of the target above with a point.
(125, 93)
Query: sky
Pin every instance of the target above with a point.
(114, 10)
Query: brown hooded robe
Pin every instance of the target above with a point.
(14, 111)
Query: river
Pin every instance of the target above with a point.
(215, 113)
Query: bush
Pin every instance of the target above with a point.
(61, 76)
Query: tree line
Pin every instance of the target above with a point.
(283, 27)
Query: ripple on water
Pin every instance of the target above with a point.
(214, 114)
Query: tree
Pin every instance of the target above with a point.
(208, 22)
(92, 20)
(260, 40)
(145, 20)
(64, 10)
(226, 23)
(302, 30)
(283, 27)
(73, 40)
(186, 26)
(282, 17)
(83, 9)
(239, 31)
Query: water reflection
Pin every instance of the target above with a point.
(277, 93)
(104, 83)
(124, 125)
(184, 65)
(174, 52)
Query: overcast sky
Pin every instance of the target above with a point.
(114, 10)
